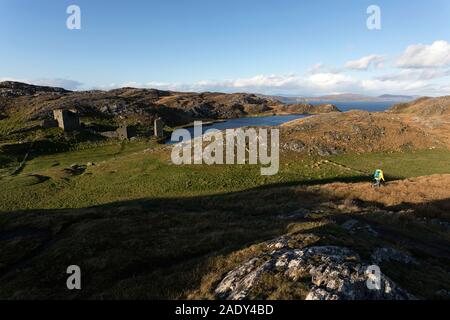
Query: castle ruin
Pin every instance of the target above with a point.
(68, 120)
(124, 132)
(159, 128)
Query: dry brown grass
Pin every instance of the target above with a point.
(425, 107)
(429, 194)
(361, 131)
(270, 287)
(435, 126)
(414, 191)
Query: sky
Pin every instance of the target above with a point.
(290, 47)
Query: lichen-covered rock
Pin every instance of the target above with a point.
(296, 146)
(334, 273)
(237, 284)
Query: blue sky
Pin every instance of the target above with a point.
(285, 46)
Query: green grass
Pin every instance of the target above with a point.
(401, 165)
(123, 172)
(140, 227)
(88, 152)
(14, 122)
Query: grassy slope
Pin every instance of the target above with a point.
(185, 224)
(401, 165)
(124, 172)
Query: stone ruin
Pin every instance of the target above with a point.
(49, 123)
(124, 132)
(68, 120)
(159, 128)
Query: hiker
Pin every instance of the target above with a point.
(379, 178)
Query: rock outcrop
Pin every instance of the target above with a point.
(355, 131)
(142, 105)
(13, 89)
(331, 272)
(306, 108)
(424, 107)
(133, 104)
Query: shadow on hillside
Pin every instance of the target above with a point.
(280, 193)
(156, 248)
(439, 209)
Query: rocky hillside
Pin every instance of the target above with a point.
(15, 89)
(424, 107)
(218, 105)
(329, 259)
(139, 105)
(305, 108)
(356, 131)
(325, 272)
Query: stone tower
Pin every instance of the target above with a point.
(159, 128)
(67, 119)
(125, 132)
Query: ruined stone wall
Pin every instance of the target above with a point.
(67, 120)
(159, 128)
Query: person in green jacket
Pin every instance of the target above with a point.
(379, 177)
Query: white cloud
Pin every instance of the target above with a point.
(415, 77)
(321, 68)
(375, 86)
(425, 56)
(415, 82)
(318, 83)
(317, 68)
(366, 62)
(411, 74)
(330, 81)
